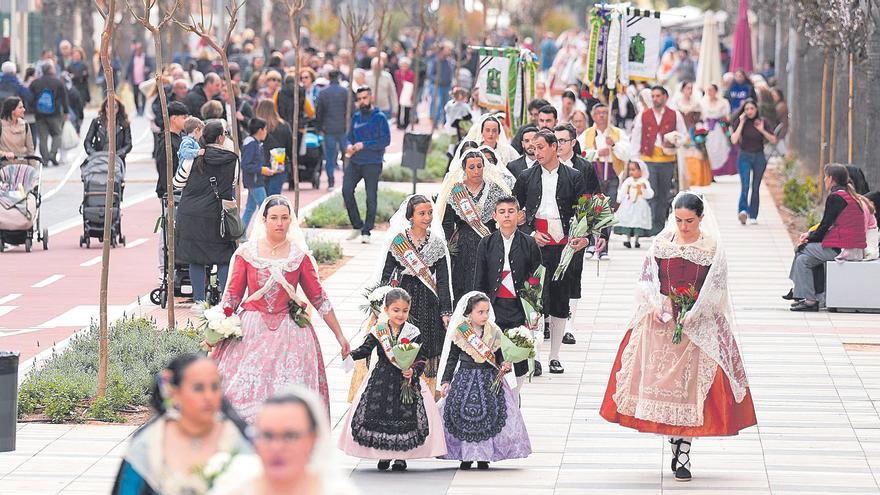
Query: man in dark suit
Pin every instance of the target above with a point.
(548, 194)
(527, 159)
(566, 136)
(505, 261)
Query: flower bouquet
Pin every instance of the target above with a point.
(298, 312)
(405, 353)
(224, 468)
(277, 158)
(531, 296)
(375, 297)
(592, 213)
(683, 299)
(218, 323)
(517, 344)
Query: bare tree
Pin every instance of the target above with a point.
(382, 10)
(203, 30)
(106, 39)
(156, 32)
(420, 52)
(356, 23)
(872, 93)
(294, 11)
(253, 15)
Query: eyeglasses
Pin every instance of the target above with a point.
(564, 140)
(285, 437)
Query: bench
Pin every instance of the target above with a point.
(852, 285)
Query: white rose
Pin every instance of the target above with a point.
(216, 464)
(214, 314)
(234, 319)
(215, 325)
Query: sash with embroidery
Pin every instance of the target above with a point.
(410, 258)
(460, 198)
(477, 343)
(382, 332)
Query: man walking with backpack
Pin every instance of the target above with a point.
(50, 104)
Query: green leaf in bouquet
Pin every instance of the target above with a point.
(512, 352)
(405, 357)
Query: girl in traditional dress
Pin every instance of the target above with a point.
(696, 387)
(466, 205)
(716, 111)
(379, 424)
(481, 425)
(634, 213)
(274, 351)
(417, 261)
(688, 102)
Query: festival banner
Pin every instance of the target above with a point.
(494, 78)
(507, 82)
(641, 39)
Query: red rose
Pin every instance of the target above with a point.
(583, 154)
(404, 341)
(600, 196)
(598, 209)
(394, 283)
(696, 295)
(227, 311)
(681, 290)
(534, 281)
(586, 196)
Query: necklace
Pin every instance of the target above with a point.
(274, 248)
(417, 242)
(196, 442)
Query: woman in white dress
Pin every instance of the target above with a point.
(716, 111)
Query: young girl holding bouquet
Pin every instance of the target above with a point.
(634, 214)
(481, 418)
(393, 415)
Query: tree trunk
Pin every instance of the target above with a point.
(280, 30)
(253, 15)
(872, 110)
(50, 24)
(822, 121)
(833, 124)
(104, 329)
(294, 149)
(88, 26)
(419, 54)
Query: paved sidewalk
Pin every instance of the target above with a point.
(817, 399)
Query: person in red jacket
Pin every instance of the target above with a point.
(842, 227)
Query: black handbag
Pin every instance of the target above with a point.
(231, 226)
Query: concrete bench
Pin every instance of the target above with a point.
(852, 285)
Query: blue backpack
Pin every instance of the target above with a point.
(46, 102)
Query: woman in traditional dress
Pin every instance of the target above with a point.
(489, 131)
(274, 351)
(193, 423)
(482, 425)
(379, 425)
(689, 104)
(417, 261)
(716, 114)
(696, 387)
(466, 204)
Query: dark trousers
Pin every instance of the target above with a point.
(608, 186)
(556, 294)
(140, 99)
(333, 144)
(662, 182)
(47, 126)
(370, 174)
(403, 114)
(509, 314)
(751, 171)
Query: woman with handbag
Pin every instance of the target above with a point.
(208, 223)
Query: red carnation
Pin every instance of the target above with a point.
(682, 290)
(227, 311)
(598, 209)
(404, 341)
(583, 154)
(586, 196)
(600, 196)
(534, 281)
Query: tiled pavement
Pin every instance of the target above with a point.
(817, 401)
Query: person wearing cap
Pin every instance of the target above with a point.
(177, 114)
(10, 85)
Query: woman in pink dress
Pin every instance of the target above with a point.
(275, 351)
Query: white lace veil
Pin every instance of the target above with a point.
(503, 150)
(709, 324)
(457, 318)
(491, 174)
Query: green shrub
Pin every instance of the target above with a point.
(800, 195)
(62, 385)
(102, 410)
(332, 214)
(435, 164)
(325, 251)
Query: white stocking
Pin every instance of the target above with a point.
(520, 380)
(573, 304)
(557, 330)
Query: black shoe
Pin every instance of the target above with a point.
(789, 296)
(383, 464)
(538, 371)
(805, 306)
(482, 465)
(681, 459)
(547, 330)
(556, 367)
(399, 465)
(465, 465)
(568, 338)
(637, 245)
(627, 245)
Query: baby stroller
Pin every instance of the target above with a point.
(94, 178)
(20, 200)
(311, 156)
(159, 295)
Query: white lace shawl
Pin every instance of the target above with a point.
(709, 323)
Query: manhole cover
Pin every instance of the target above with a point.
(862, 347)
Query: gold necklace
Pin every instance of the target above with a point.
(274, 248)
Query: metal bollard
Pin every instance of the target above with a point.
(8, 399)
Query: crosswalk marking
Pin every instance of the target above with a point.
(9, 298)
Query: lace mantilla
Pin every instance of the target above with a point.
(700, 252)
(433, 251)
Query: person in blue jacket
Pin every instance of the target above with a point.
(253, 168)
(365, 147)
